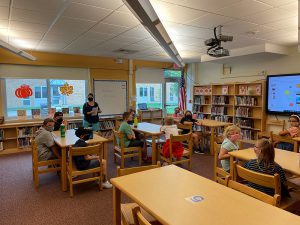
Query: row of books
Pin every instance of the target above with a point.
(245, 123)
(1, 146)
(197, 108)
(36, 113)
(201, 100)
(219, 110)
(246, 100)
(1, 134)
(222, 118)
(243, 111)
(26, 131)
(108, 124)
(74, 125)
(247, 134)
(24, 142)
(221, 100)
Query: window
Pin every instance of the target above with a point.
(154, 99)
(172, 73)
(40, 98)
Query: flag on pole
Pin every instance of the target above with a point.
(182, 94)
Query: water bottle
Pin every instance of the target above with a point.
(62, 130)
(135, 122)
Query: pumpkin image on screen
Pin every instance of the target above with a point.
(24, 91)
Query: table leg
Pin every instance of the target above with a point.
(212, 140)
(154, 150)
(64, 168)
(117, 205)
(231, 168)
(296, 146)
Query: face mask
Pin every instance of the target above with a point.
(86, 137)
(189, 116)
(90, 99)
(59, 120)
(49, 128)
(235, 137)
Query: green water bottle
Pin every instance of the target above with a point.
(135, 122)
(62, 130)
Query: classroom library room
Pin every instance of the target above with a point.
(138, 112)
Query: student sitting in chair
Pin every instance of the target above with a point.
(231, 134)
(265, 163)
(88, 161)
(292, 131)
(168, 129)
(188, 119)
(177, 113)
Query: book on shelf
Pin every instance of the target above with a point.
(1, 146)
(224, 90)
(258, 89)
(51, 112)
(76, 111)
(21, 114)
(1, 134)
(36, 113)
(243, 89)
(23, 142)
(65, 111)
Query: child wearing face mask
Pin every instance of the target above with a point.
(231, 134)
(90, 111)
(264, 163)
(88, 161)
(292, 131)
(188, 119)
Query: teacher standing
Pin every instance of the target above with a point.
(90, 112)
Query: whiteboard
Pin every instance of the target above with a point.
(111, 95)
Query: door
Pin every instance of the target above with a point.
(171, 95)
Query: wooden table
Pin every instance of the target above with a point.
(289, 161)
(212, 124)
(296, 147)
(163, 193)
(70, 139)
(153, 130)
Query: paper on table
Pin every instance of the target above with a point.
(94, 111)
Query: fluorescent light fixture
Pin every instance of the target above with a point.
(17, 51)
(144, 12)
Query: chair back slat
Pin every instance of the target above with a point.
(220, 174)
(127, 171)
(185, 126)
(138, 217)
(181, 138)
(89, 150)
(259, 178)
(120, 136)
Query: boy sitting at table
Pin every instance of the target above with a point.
(88, 161)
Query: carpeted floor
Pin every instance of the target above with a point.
(22, 204)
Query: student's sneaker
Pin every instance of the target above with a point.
(199, 151)
(107, 185)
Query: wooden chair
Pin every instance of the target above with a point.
(276, 139)
(220, 175)
(127, 212)
(139, 219)
(277, 123)
(187, 151)
(121, 152)
(72, 171)
(289, 204)
(185, 127)
(48, 166)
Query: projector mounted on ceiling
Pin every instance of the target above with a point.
(216, 50)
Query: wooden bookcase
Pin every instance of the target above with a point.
(240, 103)
(16, 137)
(107, 124)
(151, 115)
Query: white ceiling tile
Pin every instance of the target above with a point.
(277, 2)
(210, 21)
(82, 45)
(110, 46)
(238, 27)
(189, 31)
(66, 24)
(285, 23)
(4, 12)
(138, 32)
(292, 8)
(124, 9)
(121, 19)
(136, 47)
(3, 24)
(86, 12)
(62, 36)
(126, 40)
(3, 35)
(107, 4)
(97, 35)
(243, 8)
(4, 2)
(210, 6)
(269, 16)
(52, 45)
(148, 42)
(32, 27)
(170, 12)
(23, 43)
(39, 5)
(25, 34)
(109, 28)
(28, 16)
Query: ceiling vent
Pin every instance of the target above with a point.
(125, 51)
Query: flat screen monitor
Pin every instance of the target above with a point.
(283, 94)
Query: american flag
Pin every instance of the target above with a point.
(182, 94)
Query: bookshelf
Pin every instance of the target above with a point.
(15, 137)
(107, 124)
(240, 103)
(152, 116)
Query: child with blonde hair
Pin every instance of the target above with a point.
(168, 129)
(231, 134)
